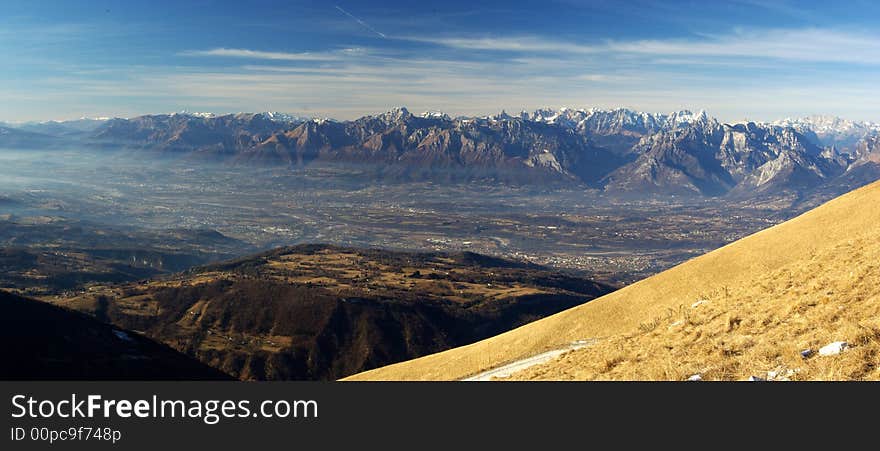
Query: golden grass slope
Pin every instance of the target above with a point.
(798, 285)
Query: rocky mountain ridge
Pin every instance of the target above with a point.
(619, 151)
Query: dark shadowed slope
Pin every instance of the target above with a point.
(40, 341)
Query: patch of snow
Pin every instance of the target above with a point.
(282, 117)
(695, 378)
(122, 335)
(519, 365)
(833, 348)
(200, 114)
(99, 118)
(435, 115)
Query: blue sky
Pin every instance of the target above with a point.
(749, 59)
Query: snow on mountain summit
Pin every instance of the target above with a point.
(619, 120)
(282, 117)
(832, 130)
(205, 115)
(396, 114)
(435, 115)
(827, 124)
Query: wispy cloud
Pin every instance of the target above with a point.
(809, 45)
(258, 54)
(371, 84)
(812, 45)
(527, 44)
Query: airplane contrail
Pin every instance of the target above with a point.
(365, 25)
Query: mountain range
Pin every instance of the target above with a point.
(621, 152)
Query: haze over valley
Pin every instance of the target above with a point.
(616, 194)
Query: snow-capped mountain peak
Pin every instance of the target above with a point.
(827, 124)
(687, 117)
(204, 115)
(435, 115)
(286, 118)
(831, 130)
(396, 114)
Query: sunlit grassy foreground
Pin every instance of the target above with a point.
(765, 299)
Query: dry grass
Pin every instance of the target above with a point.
(754, 330)
(798, 285)
(340, 271)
